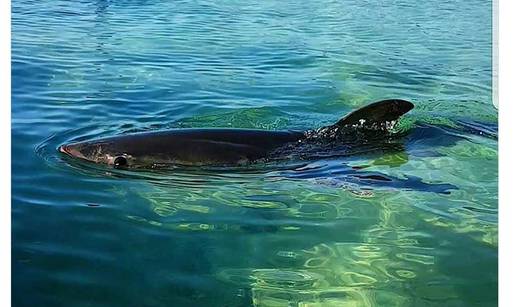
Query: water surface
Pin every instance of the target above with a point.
(315, 235)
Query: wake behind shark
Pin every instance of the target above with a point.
(236, 147)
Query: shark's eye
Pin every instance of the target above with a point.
(120, 162)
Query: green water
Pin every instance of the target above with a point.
(310, 236)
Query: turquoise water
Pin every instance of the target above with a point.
(312, 236)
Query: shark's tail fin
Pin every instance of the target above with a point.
(376, 114)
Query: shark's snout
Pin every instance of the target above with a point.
(71, 150)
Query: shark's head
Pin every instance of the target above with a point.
(140, 150)
(101, 152)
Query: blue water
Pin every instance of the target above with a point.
(317, 235)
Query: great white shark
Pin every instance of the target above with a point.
(229, 147)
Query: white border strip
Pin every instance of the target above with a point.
(5, 152)
(494, 53)
(507, 152)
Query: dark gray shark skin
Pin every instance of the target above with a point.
(221, 147)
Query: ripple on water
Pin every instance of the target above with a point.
(337, 273)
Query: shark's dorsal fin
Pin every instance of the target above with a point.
(377, 113)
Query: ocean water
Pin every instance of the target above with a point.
(415, 225)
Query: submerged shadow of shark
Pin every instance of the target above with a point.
(349, 177)
(363, 131)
